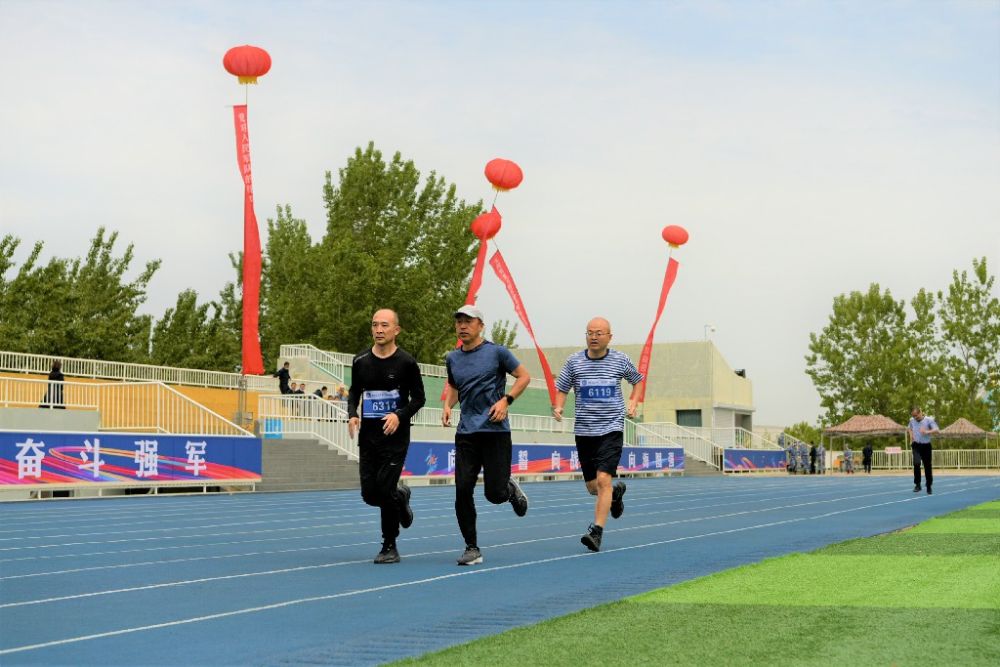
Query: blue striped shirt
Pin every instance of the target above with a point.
(596, 383)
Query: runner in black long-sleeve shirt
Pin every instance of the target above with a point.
(386, 384)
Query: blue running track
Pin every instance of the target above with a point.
(287, 579)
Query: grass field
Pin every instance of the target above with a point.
(928, 595)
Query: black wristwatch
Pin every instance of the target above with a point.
(510, 399)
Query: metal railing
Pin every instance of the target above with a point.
(940, 458)
(122, 406)
(21, 362)
(518, 422)
(427, 370)
(327, 362)
(306, 416)
(737, 437)
(693, 442)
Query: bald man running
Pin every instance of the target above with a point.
(386, 383)
(595, 376)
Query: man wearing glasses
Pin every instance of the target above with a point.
(595, 376)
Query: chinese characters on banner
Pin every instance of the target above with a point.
(44, 458)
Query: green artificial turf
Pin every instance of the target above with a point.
(929, 595)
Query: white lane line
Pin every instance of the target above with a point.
(579, 499)
(340, 533)
(409, 539)
(443, 577)
(346, 498)
(302, 568)
(278, 512)
(485, 511)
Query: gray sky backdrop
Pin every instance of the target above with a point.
(810, 148)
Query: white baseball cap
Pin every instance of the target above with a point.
(470, 311)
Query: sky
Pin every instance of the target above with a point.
(810, 148)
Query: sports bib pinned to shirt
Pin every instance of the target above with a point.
(377, 404)
(597, 391)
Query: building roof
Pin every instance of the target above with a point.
(866, 425)
(963, 428)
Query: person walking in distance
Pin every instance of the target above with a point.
(595, 375)
(387, 385)
(477, 377)
(921, 429)
(283, 375)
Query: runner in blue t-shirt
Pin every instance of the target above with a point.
(595, 376)
(477, 376)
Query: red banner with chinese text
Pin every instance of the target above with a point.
(503, 273)
(647, 349)
(253, 363)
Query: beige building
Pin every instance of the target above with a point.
(690, 384)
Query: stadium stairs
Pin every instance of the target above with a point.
(695, 468)
(305, 465)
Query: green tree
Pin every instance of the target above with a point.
(804, 432)
(292, 277)
(502, 333)
(81, 308)
(970, 328)
(866, 359)
(391, 241)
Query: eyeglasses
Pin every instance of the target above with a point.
(597, 334)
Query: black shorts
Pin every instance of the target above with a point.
(599, 453)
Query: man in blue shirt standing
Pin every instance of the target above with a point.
(477, 377)
(595, 376)
(921, 429)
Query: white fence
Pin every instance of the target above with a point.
(940, 458)
(734, 437)
(694, 443)
(21, 362)
(427, 370)
(306, 416)
(123, 406)
(331, 364)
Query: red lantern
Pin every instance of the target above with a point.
(675, 235)
(503, 174)
(247, 62)
(486, 225)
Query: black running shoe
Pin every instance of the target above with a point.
(405, 513)
(916, 488)
(518, 500)
(471, 556)
(929, 492)
(617, 504)
(592, 538)
(387, 555)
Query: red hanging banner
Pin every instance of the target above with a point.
(503, 273)
(253, 363)
(647, 349)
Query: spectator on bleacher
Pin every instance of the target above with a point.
(320, 393)
(387, 385)
(301, 391)
(595, 375)
(283, 376)
(812, 459)
(54, 391)
(477, 375)
(821, 458)
(866, 457)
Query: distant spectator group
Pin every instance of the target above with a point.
(806, 459)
